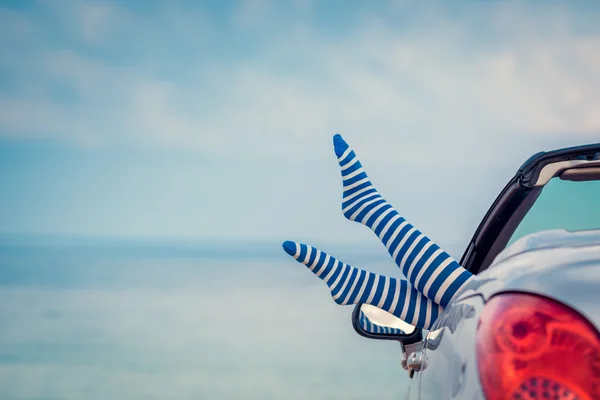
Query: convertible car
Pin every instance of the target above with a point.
(528, 328)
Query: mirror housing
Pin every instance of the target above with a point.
(405, 338)
(410, 342)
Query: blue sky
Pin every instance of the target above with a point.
(214, 119)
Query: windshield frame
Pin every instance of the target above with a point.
(516, 199)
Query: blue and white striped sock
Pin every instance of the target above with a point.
(349, 285)
(372, 327)
(428, 267)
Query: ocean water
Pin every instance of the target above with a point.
(124, 319)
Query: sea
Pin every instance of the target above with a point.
(114, 318)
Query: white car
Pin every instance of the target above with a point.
(528, 326)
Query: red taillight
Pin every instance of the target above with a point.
(531, 347)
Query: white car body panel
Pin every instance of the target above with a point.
(561, 265)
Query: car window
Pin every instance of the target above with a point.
(562, 205)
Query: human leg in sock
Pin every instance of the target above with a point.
(430, 269)
(349, 285)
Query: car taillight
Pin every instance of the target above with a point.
(531, 347)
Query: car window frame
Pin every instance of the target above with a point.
(514, 202)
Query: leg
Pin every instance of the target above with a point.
(427, 267)
(349, 285)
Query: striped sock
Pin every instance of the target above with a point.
(427, 267)
(349, 285)
(372, 327)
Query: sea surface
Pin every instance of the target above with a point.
(84, 318)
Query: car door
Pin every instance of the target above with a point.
(446, 365)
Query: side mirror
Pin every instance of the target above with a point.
(374, 323)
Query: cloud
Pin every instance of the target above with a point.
(434, 99)
(436, 78)
(250, 13)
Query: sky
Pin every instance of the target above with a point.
(214, 119)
